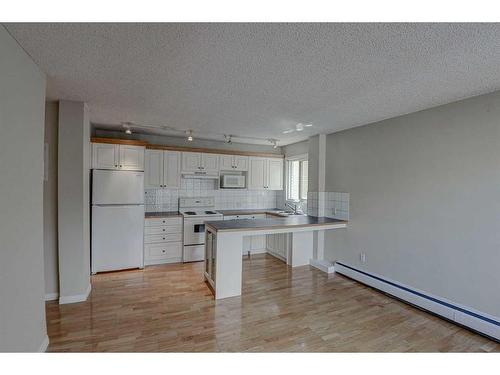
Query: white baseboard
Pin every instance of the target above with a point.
(51, 296)
(464, 315)
(322, 265)
(252, 252)
(75, 298)
(44, 345)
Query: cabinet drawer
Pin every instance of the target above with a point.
(159, 221)
(163, 253)
(170, 229)
(168, 237)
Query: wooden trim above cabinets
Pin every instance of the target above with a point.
(214, 151)
(115, 141)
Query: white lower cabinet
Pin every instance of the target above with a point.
(252, 244)
(277, 245)
(162, 240)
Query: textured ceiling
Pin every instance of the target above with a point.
(260, 79)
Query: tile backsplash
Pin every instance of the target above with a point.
(330, 204)
(157, 200)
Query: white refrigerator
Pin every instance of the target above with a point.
(117, 220)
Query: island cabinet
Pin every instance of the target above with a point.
(265, 173)
(162, 169)
(251, 244)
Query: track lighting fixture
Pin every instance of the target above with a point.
(274, 142)
(190, 135)
(228, 138)
(128, 131)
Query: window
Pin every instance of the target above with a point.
(296, 187)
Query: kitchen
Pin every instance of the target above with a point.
(248, 187)
(202, 185)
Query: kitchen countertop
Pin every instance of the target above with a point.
(250, 211)
(161, 214)
(275, 223)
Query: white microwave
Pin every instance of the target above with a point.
(232, 181)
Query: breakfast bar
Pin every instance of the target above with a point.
(224, 241)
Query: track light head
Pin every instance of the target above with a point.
(190, 135)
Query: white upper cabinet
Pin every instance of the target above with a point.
(162, 169)
(240, 163)
(191, 161)
(153, 169)
(275, 174)
(233, 163)
(131, 158)
(105, 156)
(118, 157)
(210, 163)
(200, 162)
(226, 162)
(171, 169)
(256, 173)
(265, 173)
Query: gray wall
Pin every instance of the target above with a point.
(295, 149)
(425, 200)
(22, 102)
(50, 204)
(73, 203)
(181, 141)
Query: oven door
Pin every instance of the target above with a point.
(194, 231)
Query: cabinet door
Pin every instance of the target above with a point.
(256, 172)
(247, 244)
(131, 158)
(153, 169)
(258, 242)
(241, 163)
(104, 156)
(191, 161)
(171, 169)
(226, 162)
(210, 163)
(275, 174)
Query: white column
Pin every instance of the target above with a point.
(73, 202)
(229, 266)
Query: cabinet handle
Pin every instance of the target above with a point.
(164, 230)
(163, 237)
(120, 165)
(163, 251)
(163, 221)
(116, 165)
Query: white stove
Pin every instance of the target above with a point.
(195, 212)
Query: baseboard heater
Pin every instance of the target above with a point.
(465, 316)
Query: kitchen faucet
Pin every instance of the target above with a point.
(292, 206)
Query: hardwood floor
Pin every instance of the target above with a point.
(169, 308)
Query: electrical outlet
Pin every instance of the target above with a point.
(362, 257)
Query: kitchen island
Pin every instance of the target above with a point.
(224, 241)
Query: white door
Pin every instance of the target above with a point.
(117, 238)
(256, 172)
(131, 158)
(171, 169)
(191, 161)
(104, 156)
(275, 174)
(210, 163)
(241, 163)
(153, 169)
(117, 187)
(226, 162)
